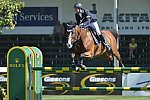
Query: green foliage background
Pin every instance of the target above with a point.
(9, 9)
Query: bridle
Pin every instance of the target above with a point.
(74, 36)
(74, 31)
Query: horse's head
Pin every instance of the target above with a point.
(73, 34)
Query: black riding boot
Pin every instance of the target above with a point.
(103, 39)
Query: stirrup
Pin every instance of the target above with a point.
(108, 49)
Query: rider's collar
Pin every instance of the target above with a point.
(81, 11)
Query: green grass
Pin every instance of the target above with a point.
(93, 97)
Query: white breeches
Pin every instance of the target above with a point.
(95, 26)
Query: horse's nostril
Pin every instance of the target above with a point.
(68, 45)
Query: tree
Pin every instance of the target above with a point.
(9, 9)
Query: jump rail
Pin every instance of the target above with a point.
(98, 88)
(96, 69)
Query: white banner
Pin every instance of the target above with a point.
(136, 80)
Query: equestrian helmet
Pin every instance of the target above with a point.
(78, 5)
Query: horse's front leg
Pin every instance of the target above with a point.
(73, 63)
(87, 54)
(81, 63)
(73, 60)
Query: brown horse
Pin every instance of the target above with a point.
(86, 48)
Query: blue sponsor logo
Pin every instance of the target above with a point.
(37, 16)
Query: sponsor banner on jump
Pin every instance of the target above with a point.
(82, 80)
(37, 16)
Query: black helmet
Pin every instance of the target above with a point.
(78, 5)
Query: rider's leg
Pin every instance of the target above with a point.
(102, 38)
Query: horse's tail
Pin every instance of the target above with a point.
(115, 34)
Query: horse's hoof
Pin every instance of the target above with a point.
(77, 69)
(83, 67)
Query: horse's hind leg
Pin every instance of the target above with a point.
(111, 63)
(117, 55)
(110, 58)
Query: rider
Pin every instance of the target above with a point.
(85, 18)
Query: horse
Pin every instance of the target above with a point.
(85, 47)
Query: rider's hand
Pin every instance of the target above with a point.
(82, 25)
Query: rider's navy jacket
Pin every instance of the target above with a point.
(86, 17)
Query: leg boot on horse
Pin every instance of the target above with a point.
(81, 65)
(73, 60)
